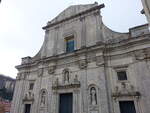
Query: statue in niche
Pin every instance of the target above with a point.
(93, 96)
(43, 99)
(76, 79)
(66, 77)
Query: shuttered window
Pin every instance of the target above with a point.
(70, 44)
(122, 75)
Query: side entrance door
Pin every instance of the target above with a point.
(65, 103)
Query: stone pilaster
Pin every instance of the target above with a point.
(99, 35)
(83, 32)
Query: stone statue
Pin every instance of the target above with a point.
(93, 96)
(66, 77)
(43, 99)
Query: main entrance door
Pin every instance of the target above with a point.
(65, 103)
(127, 107)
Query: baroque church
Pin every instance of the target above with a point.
(85, 67)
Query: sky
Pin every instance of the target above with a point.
(21, 23)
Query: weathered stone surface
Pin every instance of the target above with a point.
(90, 71)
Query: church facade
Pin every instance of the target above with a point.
(84, 67)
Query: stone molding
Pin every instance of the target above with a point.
(81, 51)
(125, 90)
(142, 54)
(75, 16)
(67, 86)
(29, 97)
(22, 75)
(83, 64)
(51, 69)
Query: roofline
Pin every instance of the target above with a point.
(74, 16)
(138, 26)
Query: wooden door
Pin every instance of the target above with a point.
(66, 103)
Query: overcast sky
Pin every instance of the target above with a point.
(21, 23)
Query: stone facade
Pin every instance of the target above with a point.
(90, 71)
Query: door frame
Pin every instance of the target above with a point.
(75, 95)
(134, 99)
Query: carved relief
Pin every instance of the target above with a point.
(51, 69)
(82, 64)
(142, 54)
(29, 96)
(125, 89)
(76, 81)
(66, 85)
(22, 76)
(40, 72)
(139, 55)
(26, 60)
(99, 60)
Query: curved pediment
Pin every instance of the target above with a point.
(72, 10)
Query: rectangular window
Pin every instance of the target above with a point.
(27, 108)
(122, 75)
(127, 107)
(70, 44)
(31, 85)
(66, 103)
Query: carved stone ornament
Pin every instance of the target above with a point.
(82, 64)
(74, 84)
(40, 72)
(21, 76)
(140, 55)
(51, 69)
(26, 60)
(76, 81)
(29, 96)
(18, 76)
(99, 60)
(125, 89)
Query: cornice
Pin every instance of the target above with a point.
(99, 47)
(132, 41)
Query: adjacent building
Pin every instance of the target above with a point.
(4, 106)
(85, 67)
(146, 6)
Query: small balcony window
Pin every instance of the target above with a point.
(70, 44)
(122, 75)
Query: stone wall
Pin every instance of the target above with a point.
(90, 72)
